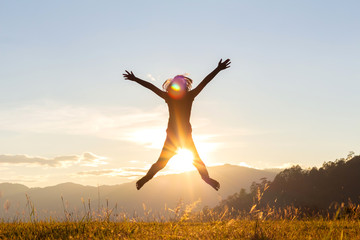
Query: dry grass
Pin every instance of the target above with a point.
(183, 222)
(232, 229)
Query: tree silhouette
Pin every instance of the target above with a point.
(313, 189)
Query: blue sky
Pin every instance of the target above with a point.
(66, 114)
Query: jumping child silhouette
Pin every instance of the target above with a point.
(179, 98)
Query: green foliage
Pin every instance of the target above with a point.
(300, 193)
(317, 189)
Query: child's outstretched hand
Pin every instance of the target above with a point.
(224, 65)
(129, 75)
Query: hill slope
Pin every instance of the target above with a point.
(160, 191)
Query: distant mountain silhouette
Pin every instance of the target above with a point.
(8, 189)
(162, 191)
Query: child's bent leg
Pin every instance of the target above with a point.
(165, 155)
(199, 164)
(160, 164)
(204, 174)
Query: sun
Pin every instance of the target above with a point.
(182, 161)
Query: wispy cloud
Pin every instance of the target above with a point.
(28, 160)
(25, 179)
(92, 160)
(129, 173)
(287, 165)
(244, 164)
(119, 172)
(86, 159)
(117, 123)
(149, 76)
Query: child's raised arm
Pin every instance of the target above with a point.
(130, 76)
(221, 66)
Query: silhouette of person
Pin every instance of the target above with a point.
(179, 98)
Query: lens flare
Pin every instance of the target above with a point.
(177, 88)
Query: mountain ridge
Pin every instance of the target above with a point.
(160, 191)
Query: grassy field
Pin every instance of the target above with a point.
(231, 229)
(342, 221)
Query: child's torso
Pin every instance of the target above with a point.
(179, 113)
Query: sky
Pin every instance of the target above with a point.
(290, 97)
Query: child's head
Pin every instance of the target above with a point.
(177, 86)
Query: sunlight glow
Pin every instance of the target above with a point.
(182, 161)
(151, 137)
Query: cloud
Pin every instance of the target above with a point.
(28, 160)
(288, 165)
(149, 76)
(92, 160)
(86, 159)
(119, 172)
(244, 164)
(25, 179)
(127, 172)
(117, 123)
